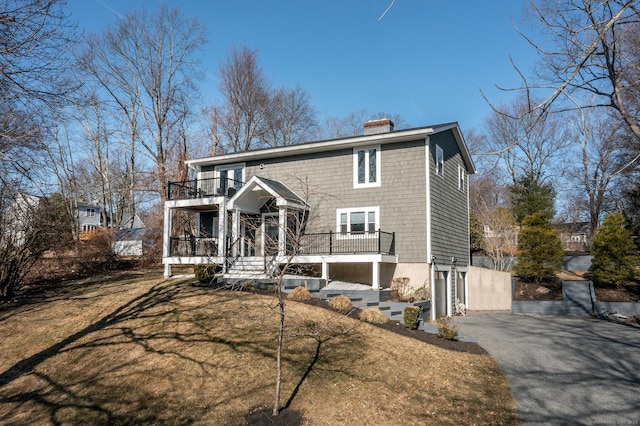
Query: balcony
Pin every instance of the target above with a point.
(330, 243)
(322, 243)
(201, 188)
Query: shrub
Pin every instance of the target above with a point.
(411, 317)
(446, 328)
(400, 289)
(341, 303)
(539, 249)
(299, 294)
(614, 253)
(205, 274)
(422, 293)
(373, 316)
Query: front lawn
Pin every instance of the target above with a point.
(133, 348)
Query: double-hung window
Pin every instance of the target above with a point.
(358, 221)
(91, 212)
(366, 166)
(462, 175)
(439, 161)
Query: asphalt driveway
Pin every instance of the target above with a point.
(563, 370)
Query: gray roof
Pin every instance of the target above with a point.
(282, 190)
(130, 234)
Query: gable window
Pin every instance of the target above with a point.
(461, 177)
(231, 176)
(439, 161)
(358, 221)
(366, 167)
(91, 212)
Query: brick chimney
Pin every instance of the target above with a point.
(373, 127)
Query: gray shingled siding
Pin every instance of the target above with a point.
(329, 176)
(449, 208)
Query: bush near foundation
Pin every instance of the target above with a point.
(446, 328)
(412, 317)
(205, 274)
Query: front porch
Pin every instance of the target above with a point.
(314, 251)
(253, 229)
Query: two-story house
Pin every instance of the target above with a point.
(362, 209)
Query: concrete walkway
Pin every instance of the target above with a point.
(564, 370)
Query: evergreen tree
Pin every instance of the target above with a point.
(614, 253)
(530, 196)
(476, 231)
(539, 249)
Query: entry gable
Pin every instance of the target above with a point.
(258, 190)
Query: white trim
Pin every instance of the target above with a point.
(367, 184)
(263, 232)
(439, 154)
(348, 211)
(427, 144)
(322, 146)
(462, 178)
(228, 167)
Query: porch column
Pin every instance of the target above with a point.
(375, 280)
(222, 229)
(235, 230)
(325, 270)
(282, 231)
(166, 240)
(450, 276)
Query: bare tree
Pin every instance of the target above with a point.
(290, 118)
(589, 56)
(351, 125)
(253, 114)
(600, 143)
(35, 37)
(501, 239)
(146, 65)
(530, 145)
(241, 118)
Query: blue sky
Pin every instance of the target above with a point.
(425, 60)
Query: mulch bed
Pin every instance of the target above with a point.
(552, 291)
(421, 335)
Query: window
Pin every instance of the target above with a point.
(461, 177)
(231, 176)
(439, 161)
(91, 212)
(360, 220)
(366, 167)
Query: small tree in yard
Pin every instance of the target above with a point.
(539, 249)
(614, 253)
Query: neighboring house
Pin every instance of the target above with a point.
(383, 205)
(575, 237)
(89, 218)
(129, 242)
(15, 221)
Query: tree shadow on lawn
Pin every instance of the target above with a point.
(84, 392)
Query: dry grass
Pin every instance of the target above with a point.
(299, 294)
(132, 348)
(373, 316)
(341, 303)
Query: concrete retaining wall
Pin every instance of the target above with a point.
(619, 307)
(569, 263)
(489, 290)
(541, 308)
